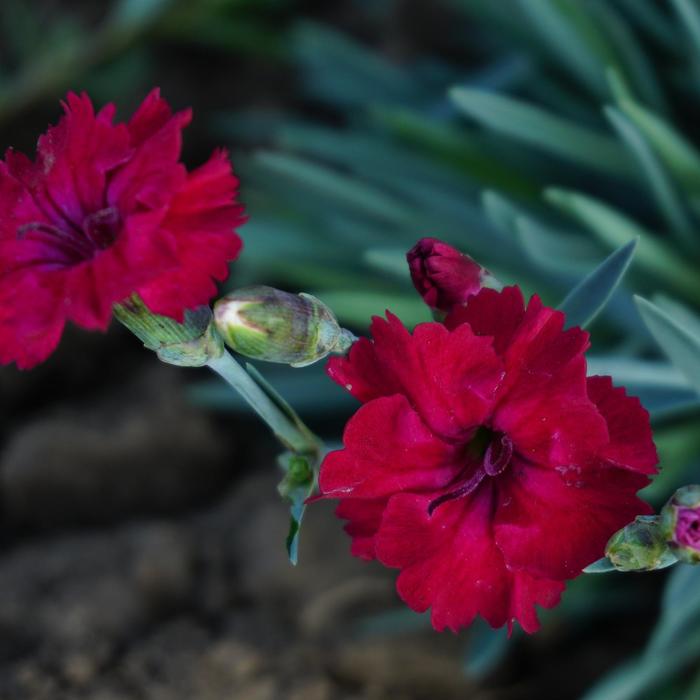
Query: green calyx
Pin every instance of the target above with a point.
(640, 546)
(275, 326)
(192, 343)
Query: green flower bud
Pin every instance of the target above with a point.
(275, 326)
(298, 477)
(189, 344)
(680, 523)
(640, 546)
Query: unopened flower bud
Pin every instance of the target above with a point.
(680, 519)
(192, 343)
(275, 326)
(640, 546)
(443, 276)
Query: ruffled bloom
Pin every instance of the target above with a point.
(442, 275)
(106, 211)
(484, 464)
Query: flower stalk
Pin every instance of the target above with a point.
(289, 429)
(197, 343)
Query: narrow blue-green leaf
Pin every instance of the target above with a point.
(680, 608)
(371, 156)
(654, 21)
(669, 202)
(689, 14)
(555, 251)
(342, 71)
(684, 316)
(602, 566)
(663, 390)
(633, 60)
(566, 41)
(389, 260)
(588, 298)
(541, 129)
(633, 372)
(335, 186)
(678, 154)
(460, 149)
(681, 346)
(615, 229)
(671, 405)
(487, 648)
(500, 211)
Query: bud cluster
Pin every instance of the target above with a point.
(654, 542)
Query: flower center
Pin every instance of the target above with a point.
(67, 244)
(492, 452)
(102, 227)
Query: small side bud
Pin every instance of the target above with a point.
(275, 326)
(640, 546)
(299, 475)
(443, 276)
(192, 343)
(296, 487)
(680, 522)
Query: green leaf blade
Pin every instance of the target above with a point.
(589, 297)
(602, 566)
(669, 201)
(614, 229)
(541, 129)
(681, 345)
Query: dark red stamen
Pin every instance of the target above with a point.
(495, 460)
(101, 228)
(71, 246)
(464, 490)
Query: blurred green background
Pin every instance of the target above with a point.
(539, 136)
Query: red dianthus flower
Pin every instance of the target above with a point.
(106, 211)
(484, 463)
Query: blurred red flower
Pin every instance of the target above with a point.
(484, 463)
(105, 211)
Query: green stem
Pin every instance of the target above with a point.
(293, 437)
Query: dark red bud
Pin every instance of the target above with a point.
(443, 276)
